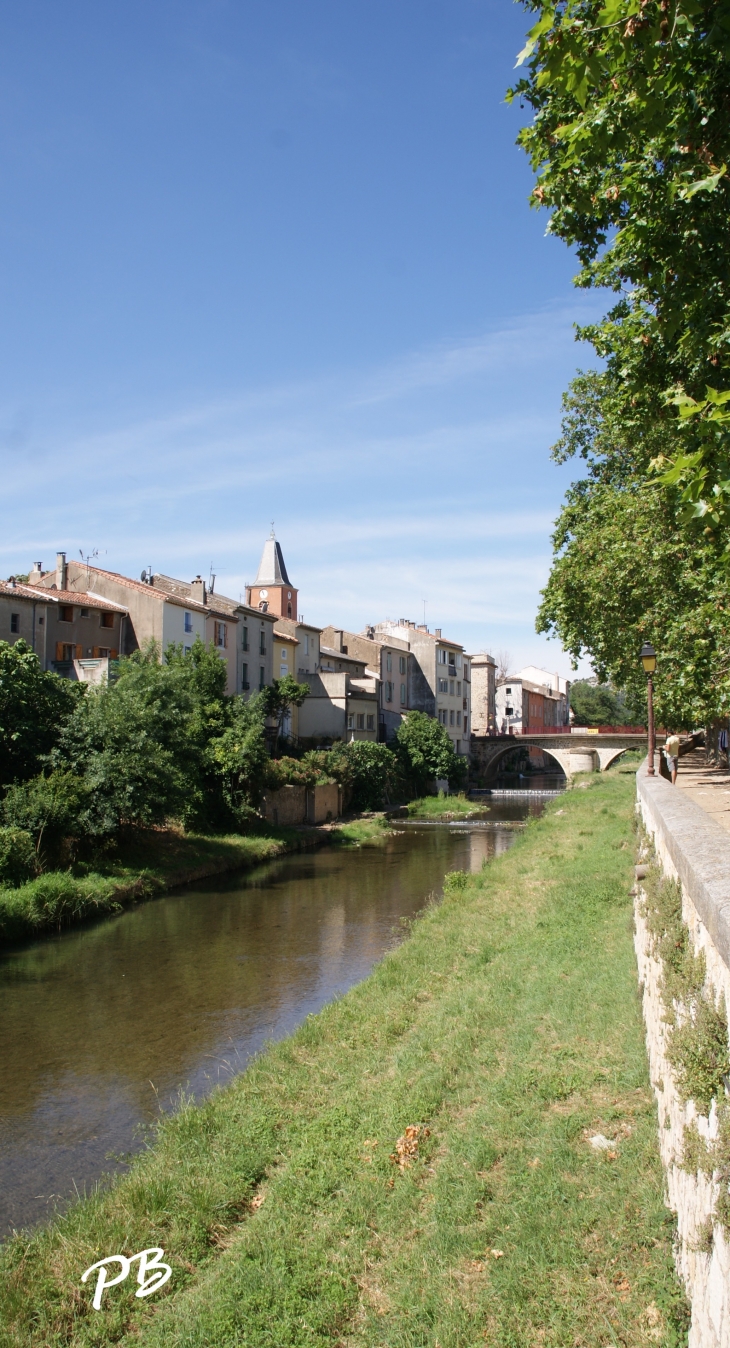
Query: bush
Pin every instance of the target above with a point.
(375, 779)
(426, 753)
(18, 860)
(49, 809)
(51, 902)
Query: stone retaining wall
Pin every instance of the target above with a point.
(692, 848)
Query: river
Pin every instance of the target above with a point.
(102, 1026)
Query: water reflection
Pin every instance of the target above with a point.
(101, 1027)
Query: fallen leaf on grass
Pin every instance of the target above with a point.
(257, 1201)
(497, 1254)
(534, 1163)
(406, 1148)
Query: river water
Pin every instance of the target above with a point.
(101, 1027)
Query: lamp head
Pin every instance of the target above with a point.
(648, 658)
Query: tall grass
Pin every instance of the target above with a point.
(506, 1031)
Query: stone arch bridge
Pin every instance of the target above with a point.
(572, 752)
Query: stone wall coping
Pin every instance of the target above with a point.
(698, 848)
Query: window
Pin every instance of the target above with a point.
(402, 664)
(14, 622)
(284, 656)
(188, 622)
(187, 650)
(441, 657)
(306, 643)
(458, 688)
(40, 622)
(244, 645)
(262, 642)
(457, 659)
(351, 722)
(221, 635)
(371, 722)
(66, 613)
(68, 652)
(262, 677)
(361, 720)
(288, 610)
(443, 685)
(107, 619)
(403, 695)
(83, 613)
(451, 687)
(388, 691)
(508, 691)
(244, 677)
(458, 718)
(451, 718)
(389, 663)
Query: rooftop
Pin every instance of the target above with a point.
(81, 598)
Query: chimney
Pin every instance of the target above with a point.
(35, 574)
(437, 631)
(60, 571)
(197, 591)
(338, 640)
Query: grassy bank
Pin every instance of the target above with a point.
(445, 807)
(152, 861)
(506, 1032)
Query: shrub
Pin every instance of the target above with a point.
(18, 860)
(50, 809)
(426, 753)
(34, 706)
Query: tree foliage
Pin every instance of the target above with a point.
(426, 753)
(630, 140)
(34, 706)
(598, 704)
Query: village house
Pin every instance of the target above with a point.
(524, 707)
(74, 639)
(160, 609)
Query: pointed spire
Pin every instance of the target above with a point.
(272, 570)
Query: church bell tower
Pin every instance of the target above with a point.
(272, 590)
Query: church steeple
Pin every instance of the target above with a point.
(272, 590)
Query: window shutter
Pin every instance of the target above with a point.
(59, 650)
(96, 652)
(114, 655)
(79, 652)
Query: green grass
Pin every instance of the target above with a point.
(362, 832)
(445, 807)
(150, 862)
(509, 1025)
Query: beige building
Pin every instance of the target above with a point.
(483, 689)
(439, 676)
(386, 659)
(343, 695)
(285, 662)
(167, 611)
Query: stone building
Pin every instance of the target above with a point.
(483, 689)
(439, 676)
(386, 659)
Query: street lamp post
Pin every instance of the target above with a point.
(648, 660)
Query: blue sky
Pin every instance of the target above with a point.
(276, 262)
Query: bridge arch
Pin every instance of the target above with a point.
(561, 757)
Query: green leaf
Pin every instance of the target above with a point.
(704, 185)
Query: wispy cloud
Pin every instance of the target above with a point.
(425, 478)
